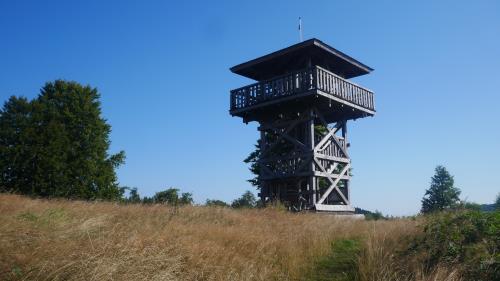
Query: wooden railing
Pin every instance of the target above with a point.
(330, 148)
(315, 78)
(335, 85)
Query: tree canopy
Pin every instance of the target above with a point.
(56, 145)
(216, 203)
(171, 196)
(247, 200)
(442, 193)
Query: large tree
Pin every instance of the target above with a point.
(57, 145)
(442, 193)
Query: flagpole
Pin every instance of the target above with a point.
(300, 29)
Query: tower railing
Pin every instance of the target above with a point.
(299, 82)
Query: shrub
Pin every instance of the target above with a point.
(216, 203)
(171, 196)
(247, 200)
(469, 239)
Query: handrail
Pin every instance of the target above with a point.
(339, 77)
(314, 78)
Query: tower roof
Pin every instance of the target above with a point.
(297, 57)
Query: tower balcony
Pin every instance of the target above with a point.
(336, 97)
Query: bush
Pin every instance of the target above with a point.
(216, 203)
(377, 215)
(469, 239)
(247, 200)
(171, 196)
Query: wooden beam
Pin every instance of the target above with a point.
(334, 183)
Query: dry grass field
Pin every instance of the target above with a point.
(73, 240)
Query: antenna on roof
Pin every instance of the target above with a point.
(300, 29)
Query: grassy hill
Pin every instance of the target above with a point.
(73, 240)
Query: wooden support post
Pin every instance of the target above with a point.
(312, 145)
(346, 143)
(263, 189)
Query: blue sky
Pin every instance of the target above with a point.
(162, 70)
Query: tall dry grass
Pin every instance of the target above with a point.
(72, 240)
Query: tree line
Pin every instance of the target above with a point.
(57, 145)
(173, 196)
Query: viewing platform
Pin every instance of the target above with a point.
(314, 85)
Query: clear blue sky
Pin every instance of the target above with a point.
(162, 69)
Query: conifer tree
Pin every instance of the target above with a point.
(442, 193)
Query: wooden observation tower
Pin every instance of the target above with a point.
(302, 101)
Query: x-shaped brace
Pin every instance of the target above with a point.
(333, 182)
(330, 135)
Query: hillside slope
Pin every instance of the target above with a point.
(72, 240)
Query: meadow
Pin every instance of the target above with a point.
(76, 240)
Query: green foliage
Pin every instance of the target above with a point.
(171, 196)
(247, 200)
(340, 264)
(147, 200)
(369, 215)
(57, 145)
(133, 196)
(254, 168)
(186, 198)
(470, 206)
(470, 239)
(216, 203)
(497, 202)
(442, 194)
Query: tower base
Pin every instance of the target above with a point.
(334, 208)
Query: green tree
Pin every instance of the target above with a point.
(247, 200)
(171, 196)
(57, 145)
(216, 203)
(442, 193)
(497, 202)
(254, 168)
(186, 198)
(17, 139)
(133, 196)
